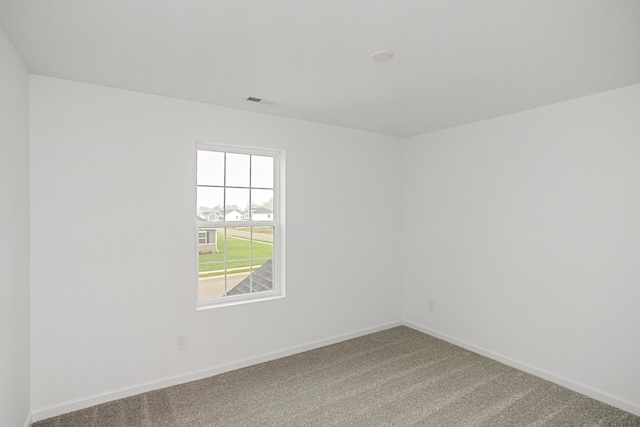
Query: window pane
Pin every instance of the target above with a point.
(262, 171)
(210, 167)
(209, 200)
(262, 244)
(262, 262)
(237, 170)
(237, 203)
(262, 205)
(238, 248)
(262, 277)
(212, 278)
(238, 258)
(258, 279)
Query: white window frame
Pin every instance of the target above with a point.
(277, 222)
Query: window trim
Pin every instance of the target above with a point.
(278, 222)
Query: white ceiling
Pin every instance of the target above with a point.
(456, 61)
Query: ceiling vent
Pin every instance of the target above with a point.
(260, 100)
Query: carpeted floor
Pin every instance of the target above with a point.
(397, 377)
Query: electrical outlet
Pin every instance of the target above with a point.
(182, 341)
(431, 305)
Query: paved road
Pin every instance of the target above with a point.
(212, 287)
(247, 235)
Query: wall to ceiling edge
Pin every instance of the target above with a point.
(525, 234)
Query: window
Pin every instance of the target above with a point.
(239, 224)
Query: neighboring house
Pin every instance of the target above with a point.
(229, 215)
(210, 215)
(214, 216)
(259, 281)
(233, 215)
(207, 237)
(260, 214)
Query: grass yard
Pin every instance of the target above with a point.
(238, 254)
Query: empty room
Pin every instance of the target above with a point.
(313, 213)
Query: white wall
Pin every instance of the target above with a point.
(110, 293)
(525, 231)
(14, 237)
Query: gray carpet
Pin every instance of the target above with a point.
(397, 377)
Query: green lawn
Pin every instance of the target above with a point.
(238, 255)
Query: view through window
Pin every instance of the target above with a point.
(237, 224)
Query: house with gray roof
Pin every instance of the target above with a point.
(259, 280)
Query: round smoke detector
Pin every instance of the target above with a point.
(382, 55)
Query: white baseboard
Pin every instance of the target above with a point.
(77, 404)
(74, 405)
(565, 382)
(28, 421)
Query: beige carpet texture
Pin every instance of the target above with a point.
(397, 377)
